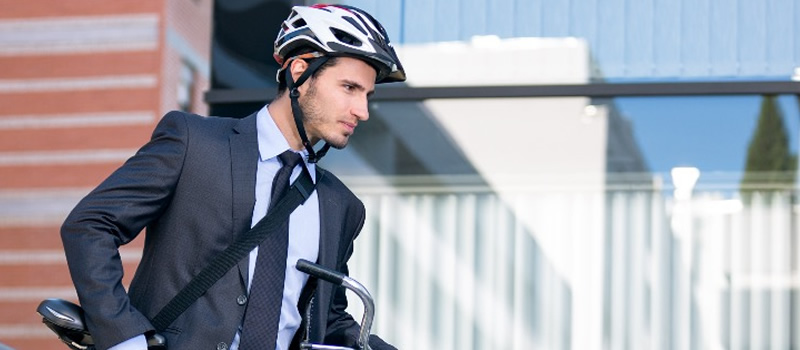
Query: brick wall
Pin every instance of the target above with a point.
(82, 86)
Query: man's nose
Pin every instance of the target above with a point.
(361, 110)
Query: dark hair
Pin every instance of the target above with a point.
(282, 76)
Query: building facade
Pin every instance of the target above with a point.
(82, 86)
(494, 222)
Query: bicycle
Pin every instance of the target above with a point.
(68, 322)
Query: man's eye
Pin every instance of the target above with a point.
(349, 87)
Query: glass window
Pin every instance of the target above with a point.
(516, 223)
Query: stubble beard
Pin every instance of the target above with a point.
(314, 119)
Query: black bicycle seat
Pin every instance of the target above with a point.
(67, 321)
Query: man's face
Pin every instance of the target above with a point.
(335, 101)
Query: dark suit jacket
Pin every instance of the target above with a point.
(193, 188)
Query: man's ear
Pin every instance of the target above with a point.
(297, 67)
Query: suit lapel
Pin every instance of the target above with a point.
(244, 164)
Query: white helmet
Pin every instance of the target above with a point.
(339, 30)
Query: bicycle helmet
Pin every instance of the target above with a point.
(328, 31)
(339, 30)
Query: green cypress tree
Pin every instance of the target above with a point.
(770, 164)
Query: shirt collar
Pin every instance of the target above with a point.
(271, 142)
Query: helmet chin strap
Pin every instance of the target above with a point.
(294, 94)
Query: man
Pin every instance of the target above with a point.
(202, 181)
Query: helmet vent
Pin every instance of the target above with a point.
(356, 24)
(345, 37)
(299, 23)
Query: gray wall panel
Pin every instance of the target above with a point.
(724, 35)
(528, 18)
(694, 44)
(629, 39)
(448, 19)
(780, 24)
(667, 38)
(419, 23)
(752, 37)
(500, 18)
(794, 36)
(473, 18)
(556, 17)
(639, 50)
(585, 20)
(610, 48)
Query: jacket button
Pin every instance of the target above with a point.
(241, 300)
(222, 346)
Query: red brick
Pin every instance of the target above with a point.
(83, 101)
(30, 238)
(80, 175)
(86, 138)
(47, 275)
(79, 65)
(20, 312)
(42, 238)
(58, 8)
(39, 343)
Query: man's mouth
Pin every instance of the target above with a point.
(349, 126)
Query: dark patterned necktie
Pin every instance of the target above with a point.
(260, 328)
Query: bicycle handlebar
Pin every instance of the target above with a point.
(320, 272)
(343, 280)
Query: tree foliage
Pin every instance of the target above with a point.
(770, 163)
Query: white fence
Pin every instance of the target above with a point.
(469, 267)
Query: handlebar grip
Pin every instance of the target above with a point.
(320, 272)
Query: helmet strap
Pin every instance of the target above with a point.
(294, 94)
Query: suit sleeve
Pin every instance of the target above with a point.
(342, 328)
(112, 215)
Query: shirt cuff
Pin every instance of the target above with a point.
(138, 342)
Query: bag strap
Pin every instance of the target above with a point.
(298, 193)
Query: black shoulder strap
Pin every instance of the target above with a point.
(300, 190)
